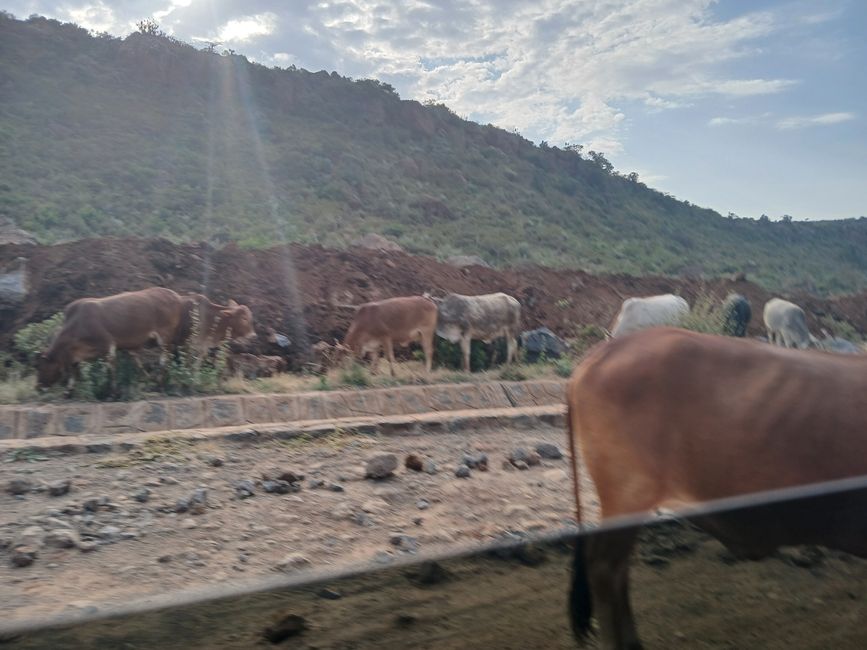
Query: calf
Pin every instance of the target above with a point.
(395, 321)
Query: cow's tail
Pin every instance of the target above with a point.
(580, 598)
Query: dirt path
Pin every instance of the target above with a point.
(688, 592)
(142, 548)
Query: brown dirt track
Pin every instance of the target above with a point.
(327, 278)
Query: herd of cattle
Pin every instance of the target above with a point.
(99, 327)
(663, 416)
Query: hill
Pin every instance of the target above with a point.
(147, 136)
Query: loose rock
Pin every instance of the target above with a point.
(23, 556)
(245, 489)
(279, 487)
(414, 463)
(520, 454)
(429, 467)
(381, 466)
(293, 562)
(549, 451)
(405, 543)
(277, 474)
(19, 486)
(329, 594)
(59, 488)
(142, 496)
(62, 538)
(479, 462)
(288, 626)
(462, 471)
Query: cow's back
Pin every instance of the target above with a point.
(394, 317)
(653, 311)
(492, 314)
(669, 416)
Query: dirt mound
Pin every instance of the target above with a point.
(301, 290)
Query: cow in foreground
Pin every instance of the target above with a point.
(666, 418)
(786, 324)
(653, 311)
(737, 314)
(390, 322)
(98, 327)
(487, 317)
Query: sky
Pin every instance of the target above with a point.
(745, 106)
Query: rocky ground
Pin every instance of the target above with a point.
(171, 516)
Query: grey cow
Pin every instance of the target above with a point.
(787, 325)
(485, 318)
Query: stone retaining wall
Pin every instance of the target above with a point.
(74, 419)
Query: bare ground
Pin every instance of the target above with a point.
(688, 592)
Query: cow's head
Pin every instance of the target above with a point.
(238, 319)
(49, 371)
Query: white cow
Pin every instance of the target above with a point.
(787, 325)
(485, 318)
(653, 311)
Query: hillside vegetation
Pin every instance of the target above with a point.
(148, 136)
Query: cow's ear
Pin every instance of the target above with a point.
(227, 313)
(232, 303)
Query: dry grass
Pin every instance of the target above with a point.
(407, 373)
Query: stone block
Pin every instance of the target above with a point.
(517, 393)
(313, 406)
(350, 403)
(224, 411)
(36, 422)
(77, 419)
(8, 420)
(258, 409)
(548, 391)
(285, 408)
(443, 398)
(401, 401)
(187, 413)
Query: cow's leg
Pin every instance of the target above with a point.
(428, 346)
(374, 360)
(389, 352)
(465, 352)
(608, 574)
(511, 348)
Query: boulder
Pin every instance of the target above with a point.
(542, 342)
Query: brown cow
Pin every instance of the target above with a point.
(98, 327)
(215, 323)
(395, 321)
(666, 417)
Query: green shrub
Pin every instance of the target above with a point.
(35, 338)
(355, 375)
(513, 372)
(706, 316)
(585, 337)
(840, 328)
(563, 367)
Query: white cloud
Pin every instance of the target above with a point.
(800, 122)
(559, 70)
(97, 16)
(239, 30)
